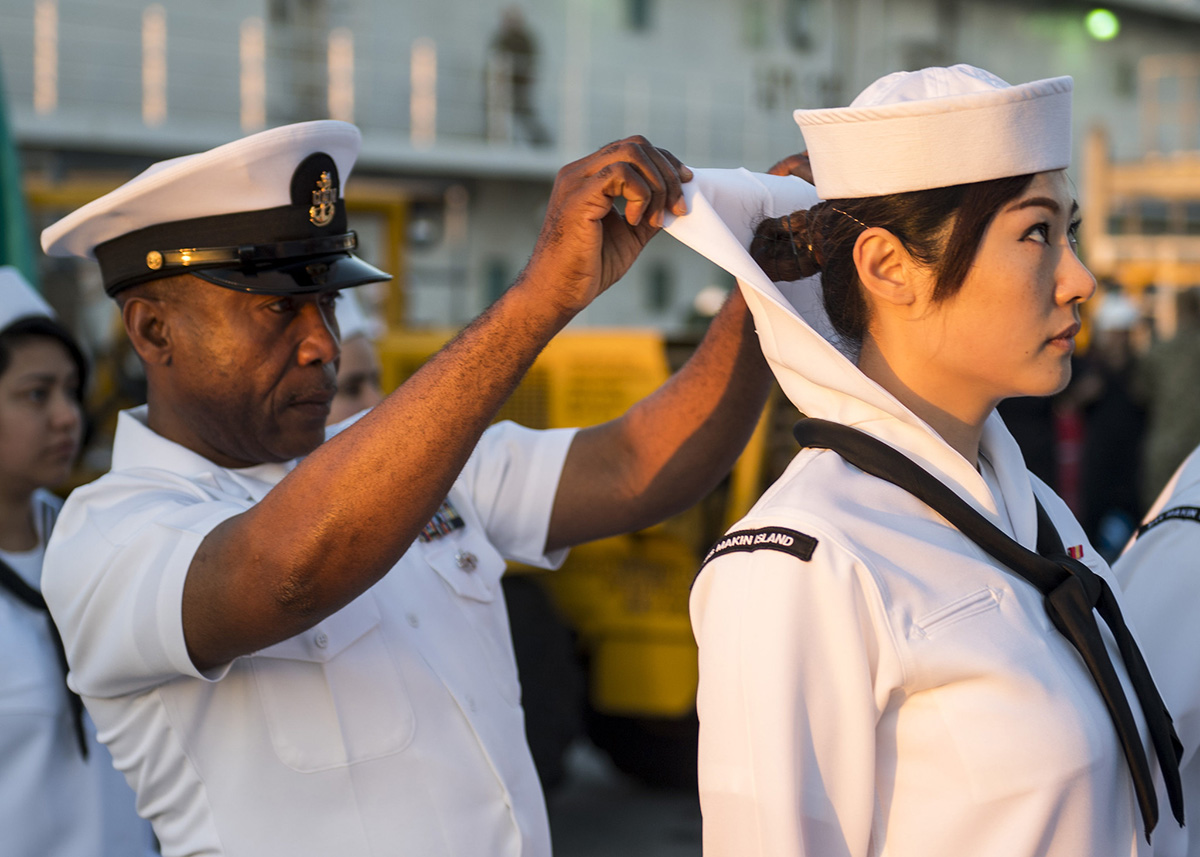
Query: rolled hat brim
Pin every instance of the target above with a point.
(884, 148)
(320, 274)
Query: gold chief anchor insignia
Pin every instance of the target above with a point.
(324, 201)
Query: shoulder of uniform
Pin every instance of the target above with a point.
(782, 539)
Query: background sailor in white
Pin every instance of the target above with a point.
(889, 689)
(54, 800)
(1159, 572)
(277, 661)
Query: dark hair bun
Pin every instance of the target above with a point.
(783, 247)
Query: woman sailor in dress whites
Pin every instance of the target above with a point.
(873, 682)
(59, 792)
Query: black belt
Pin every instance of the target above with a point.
(1071, 590)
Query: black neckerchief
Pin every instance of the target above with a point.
(33, 599)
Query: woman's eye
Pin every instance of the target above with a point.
(1040, 232)
(1073, 233)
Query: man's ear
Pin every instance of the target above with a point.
(886, 269)
(146, 322)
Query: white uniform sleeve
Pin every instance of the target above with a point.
(512, 477)
(794, 674)
(113, 579)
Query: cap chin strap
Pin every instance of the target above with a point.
(249, 256)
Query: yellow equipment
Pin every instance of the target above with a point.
(626, 597)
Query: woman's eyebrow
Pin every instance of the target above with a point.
(1042, 202)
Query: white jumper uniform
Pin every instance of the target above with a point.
(393, 727)
(1160, 575)
(899, 693)
(52, 800)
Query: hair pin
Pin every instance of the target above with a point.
(851, 216)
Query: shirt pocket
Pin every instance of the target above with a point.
(956, 611)
(468, 564)
(472, 568)
(332, 696)
(1015, 708)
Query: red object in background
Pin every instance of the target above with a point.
(1068, 437)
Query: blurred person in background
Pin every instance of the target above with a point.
(358, 375)
(59, 793)
(1114, 423)
(1161, 585)
(1167, 380)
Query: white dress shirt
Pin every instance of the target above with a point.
(52, 800)
(392, 727)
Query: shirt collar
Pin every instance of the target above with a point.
(136, 446)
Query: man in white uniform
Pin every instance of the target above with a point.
(294, 647)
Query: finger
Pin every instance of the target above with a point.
(656, 172)
(662, 171)
(676, 173)
(622, 179)
(663, 177)
(794, 165)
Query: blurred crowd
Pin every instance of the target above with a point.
(1111, 440)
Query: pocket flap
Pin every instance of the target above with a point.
(471, 566)
(330, 636)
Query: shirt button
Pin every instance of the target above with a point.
(414, 620)
(321, 639)
(472, 704)
(466, 560)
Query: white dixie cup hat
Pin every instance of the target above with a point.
(18, 300)
(935, 128)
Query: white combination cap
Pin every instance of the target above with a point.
(18, 300)
(935, 128)
(261, 214)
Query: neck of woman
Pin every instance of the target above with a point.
(957, 418)
(17, 532)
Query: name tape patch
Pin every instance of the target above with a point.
(799, 545)
(1179, 513)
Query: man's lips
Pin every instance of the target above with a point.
(319, 398)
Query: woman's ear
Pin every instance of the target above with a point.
(146, 322)
(885, 268)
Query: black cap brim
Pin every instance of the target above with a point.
(320, 274)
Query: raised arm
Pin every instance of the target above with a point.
(347, 513)
(675, 445)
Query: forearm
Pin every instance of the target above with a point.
(347, 513)
(671, 448)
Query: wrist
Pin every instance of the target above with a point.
(544, 296)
